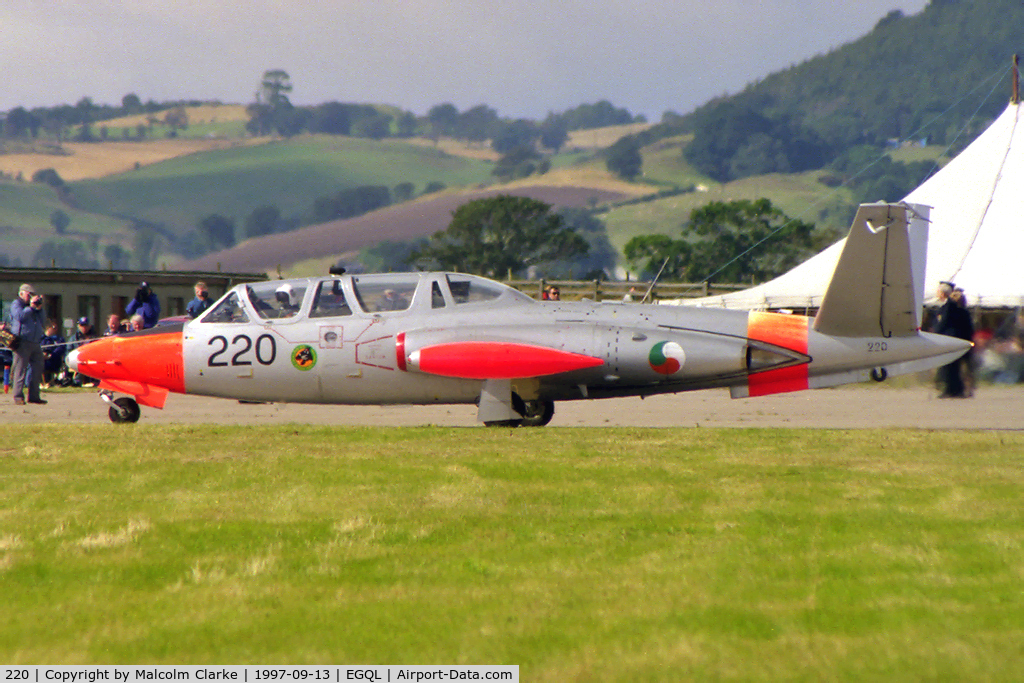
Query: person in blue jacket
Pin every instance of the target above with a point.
(198, 306)
(27, 324)
(146, 304)
(54, 348)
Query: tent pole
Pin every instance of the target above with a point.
(1015, 98)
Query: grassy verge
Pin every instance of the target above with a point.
(583, 554)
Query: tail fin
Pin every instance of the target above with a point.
(877, 289)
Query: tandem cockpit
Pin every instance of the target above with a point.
(286, 301)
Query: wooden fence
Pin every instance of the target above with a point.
(604, 290)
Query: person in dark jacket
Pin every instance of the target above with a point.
(53, 353)
(146, 304)
(27, 324)
(963, 328)
(952, 320)
(83, 335)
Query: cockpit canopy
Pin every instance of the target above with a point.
(375, 294)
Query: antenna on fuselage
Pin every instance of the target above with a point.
(655, 281)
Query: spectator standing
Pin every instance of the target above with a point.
(198, 306)
(146, 304)
(27, 326)
(963, 328)
(950, 321)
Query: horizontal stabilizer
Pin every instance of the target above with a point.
(877, 287)
(496, 360)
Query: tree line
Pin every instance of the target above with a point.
(733, 242)
(739, 241)
(273, 112)
(55, 122)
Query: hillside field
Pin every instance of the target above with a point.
(92, 160)
(204, 121)
(175, 183)
(25, 210)
(312, 249)
(288, 173)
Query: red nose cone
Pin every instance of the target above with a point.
(135, 364)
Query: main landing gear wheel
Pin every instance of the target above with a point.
(538, 413)
(124, 409)
(535, 413)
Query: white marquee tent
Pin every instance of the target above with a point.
(976, 235)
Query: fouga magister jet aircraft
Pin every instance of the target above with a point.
(426, 338)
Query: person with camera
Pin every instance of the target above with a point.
(198, 306)
(27, 326)
(146, 304)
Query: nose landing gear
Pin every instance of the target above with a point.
(122, 409)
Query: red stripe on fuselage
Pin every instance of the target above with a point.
(499, 360)
(789, 332)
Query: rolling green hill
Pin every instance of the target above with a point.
(941, 75)
(290, 174)
(25, 210)
(911, 76)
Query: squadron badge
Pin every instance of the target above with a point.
(304, 357)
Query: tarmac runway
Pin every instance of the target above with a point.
(853, 407)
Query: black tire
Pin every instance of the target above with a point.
(538, 413)
(124, 410)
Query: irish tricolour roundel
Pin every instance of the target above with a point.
(666, 358)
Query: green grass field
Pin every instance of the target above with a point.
(579, 554)
(290, 174)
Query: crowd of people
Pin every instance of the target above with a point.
(33, 350)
